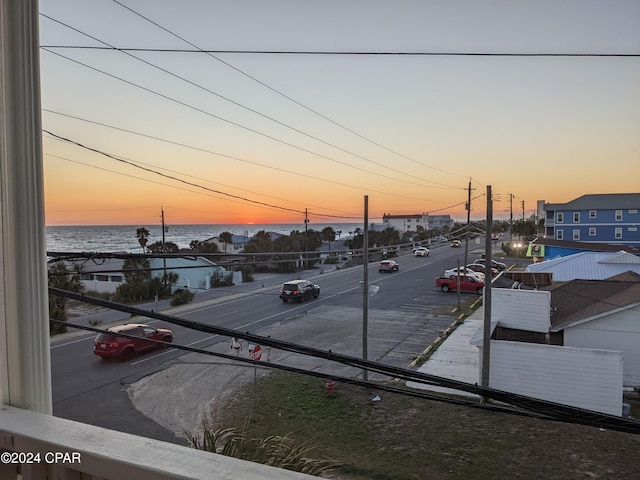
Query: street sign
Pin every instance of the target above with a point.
(256, 353)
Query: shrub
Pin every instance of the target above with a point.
(247, 274)
(276, 450)
(182, 297)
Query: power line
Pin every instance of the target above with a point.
(539, 407)
(262, 115)
(129, 162)
(278, 92)
(171, 177)
(250, 162)
(340, 52)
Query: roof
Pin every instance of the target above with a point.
(234, 239)
(588, 265)
(411, 215)
(580, 300)
(605, 201)
(107, 265)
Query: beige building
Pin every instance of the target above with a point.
(410, 223)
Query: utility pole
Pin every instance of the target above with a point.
(486, 342)
(164, 259)
(523, 229)
(466, 236)
(510, 218)
(365, 288)
(306, 241)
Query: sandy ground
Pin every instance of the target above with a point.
(199, 385)
(191, 392)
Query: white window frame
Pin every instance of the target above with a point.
(576, 235)
(592, 213)
(618, 215)
(618, 233)
(592, 231)
(558, 234)
(559, 217)
(576, 217)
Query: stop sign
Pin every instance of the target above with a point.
(256, 353)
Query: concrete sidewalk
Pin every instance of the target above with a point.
(455, 359)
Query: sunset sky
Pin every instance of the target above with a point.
(178, 105)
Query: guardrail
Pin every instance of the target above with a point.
(35, 446)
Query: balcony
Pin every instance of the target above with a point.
(37, 446)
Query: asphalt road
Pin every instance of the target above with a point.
(406, 315)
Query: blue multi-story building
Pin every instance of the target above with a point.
(611, 218)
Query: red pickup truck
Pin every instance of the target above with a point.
(467, 284)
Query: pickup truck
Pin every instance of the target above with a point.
(467, 284)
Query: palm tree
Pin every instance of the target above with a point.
(225, 237)
(143, 236)
(329, 235)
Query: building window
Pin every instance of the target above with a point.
(576, 235)
(618, 215)
(576, 218)
(102, 278)
(558, 234)
(633, 229)
(592, 232)
(618, 233)
(592, 214)
(117, 278)
(633, 211)
(559, 217)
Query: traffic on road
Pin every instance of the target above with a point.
(88, 389)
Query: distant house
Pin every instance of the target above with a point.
(603, 218)
(102, 277)
(236, 246)
(440, 222)
(411, 222)
(336, 248)
(588, 266)
(194, 273)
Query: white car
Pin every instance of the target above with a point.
(452, 272)
(421, 252)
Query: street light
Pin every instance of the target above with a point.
(518, 246)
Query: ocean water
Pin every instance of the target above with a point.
(122, 238)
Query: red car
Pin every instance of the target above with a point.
(467, 284)
(110, 344)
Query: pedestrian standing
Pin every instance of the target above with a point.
(236, 345)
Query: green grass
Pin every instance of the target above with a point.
(401, 437)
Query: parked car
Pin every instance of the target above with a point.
(111, 343)
(467, 284)
(494, 264)
(299, 290)
(421, 252)
(452, 272)
(456, 244)
(480, 268)
(388, 266)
